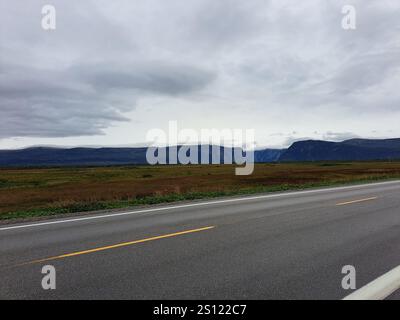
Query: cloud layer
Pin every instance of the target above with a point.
(285, 68)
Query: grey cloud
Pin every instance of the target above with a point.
(288, 61)
(339, 136)
(225, 22)
(85, 99)
(69, 103)
(151, 77)
(329, 136)
(317, 65)
(290, 140)
(365, 72)
(82, 78)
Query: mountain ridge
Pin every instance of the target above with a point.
(348, 150)
(306, 150)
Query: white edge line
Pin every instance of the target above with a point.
(378, 289)
(268, 196)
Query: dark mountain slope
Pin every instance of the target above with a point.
(310, 150)
(356, 149)
(268, 155)
(44, 156)
(374, 143)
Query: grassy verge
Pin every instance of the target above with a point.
(89, 206)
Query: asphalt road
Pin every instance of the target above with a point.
(281, 246)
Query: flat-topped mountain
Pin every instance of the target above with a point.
(349, 150)
(309, 150)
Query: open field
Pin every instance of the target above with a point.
(34, 192)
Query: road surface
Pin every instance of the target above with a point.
(279, 246)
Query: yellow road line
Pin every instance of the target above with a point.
(119, 245)
(356, 201)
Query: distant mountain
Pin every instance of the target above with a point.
(46, 156)
(354, 149)
(309, 150)
(371, 143)
(268, 155)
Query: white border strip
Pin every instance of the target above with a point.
(378, 289)
(268, 196)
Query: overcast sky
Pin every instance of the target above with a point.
(112, 70)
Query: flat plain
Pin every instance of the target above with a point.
(32, 192)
